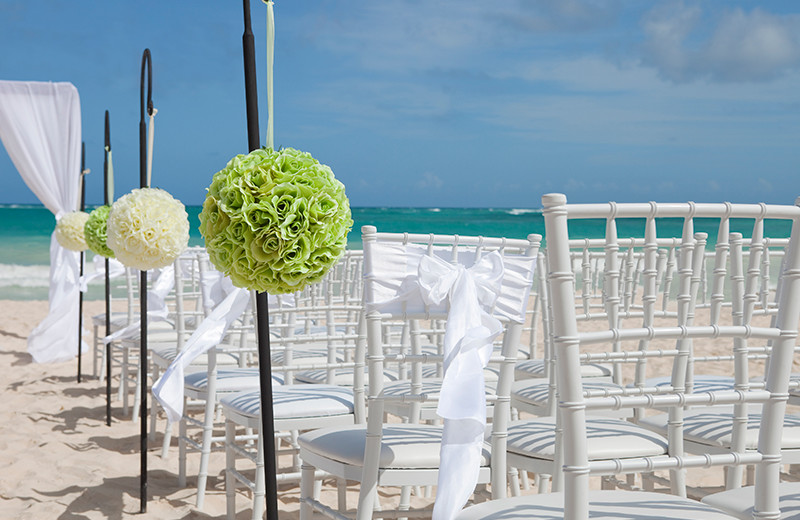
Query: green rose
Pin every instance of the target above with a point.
(275, 221)
(96, 232)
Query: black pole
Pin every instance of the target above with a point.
(80, 293)
(106, 201)
(146, 61)
(262, 304)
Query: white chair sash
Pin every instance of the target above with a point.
(168, 390)
(115, 270)
(156, 305)
(469, 333)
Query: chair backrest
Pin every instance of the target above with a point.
(574, 403)
(416, 277)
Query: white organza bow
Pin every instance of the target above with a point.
(156, 305)
(115, 270)
(169, 388)
(468, 340)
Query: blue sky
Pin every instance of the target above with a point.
(439, 103)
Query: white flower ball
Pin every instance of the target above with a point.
(69, 231)
(147, 229)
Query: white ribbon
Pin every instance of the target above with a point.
(115, 269)
(468, 338)
(156, 305)
(168, 390)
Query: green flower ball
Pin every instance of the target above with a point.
(95, 231)
(275, 221)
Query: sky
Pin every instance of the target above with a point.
(438, 103)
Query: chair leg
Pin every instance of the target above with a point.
(513, 481)
(230, 467)
(544, 480)
(165, 444)
(137, 396)
(733, 477)
(260, 484)
(524, 480)
(306, 490)
(341, 488)
(205, 450)
(123, 382)
(154, 407)
(95, 352)
(102, 375)
(182, 449)
(405, 500)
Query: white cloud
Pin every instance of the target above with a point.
(740, 46)
(422, 34)
(430, 181)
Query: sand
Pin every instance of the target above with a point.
(60, 460)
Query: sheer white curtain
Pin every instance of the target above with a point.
(40, 126)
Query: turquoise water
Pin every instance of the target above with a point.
(25, 234)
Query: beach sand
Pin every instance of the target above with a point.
(59, 460)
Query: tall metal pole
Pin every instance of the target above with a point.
(80, 293)
(262, 305)
(107, 201)
(146, 64)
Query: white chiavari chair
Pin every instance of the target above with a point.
(575, 404)
(497, 275)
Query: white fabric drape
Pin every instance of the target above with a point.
(40, 126)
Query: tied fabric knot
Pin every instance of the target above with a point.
(470, 330)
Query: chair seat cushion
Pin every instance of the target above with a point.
(430, 387)
(341, 377)
(603, 505)
(303, 356)
(118, 320)
(709, 427)
(534, 369)
(228, 380)
(163, 356)
(295, 401)
(606, 438)
(740, 502)
(534, 391)
(402, 446)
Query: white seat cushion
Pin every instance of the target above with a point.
(402, 446)
(118, 320)
(295, 401)
(710, 427)
(603, 505)
(341, 377)
(163, 356)
(534, 369)
(302, 357)
(534, 391)
(739, 502)
(228, 380)
(430, 387)
(606, 438)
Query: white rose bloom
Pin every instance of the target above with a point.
(147, 229)
(69, 231)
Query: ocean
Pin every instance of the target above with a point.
(25, 235)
